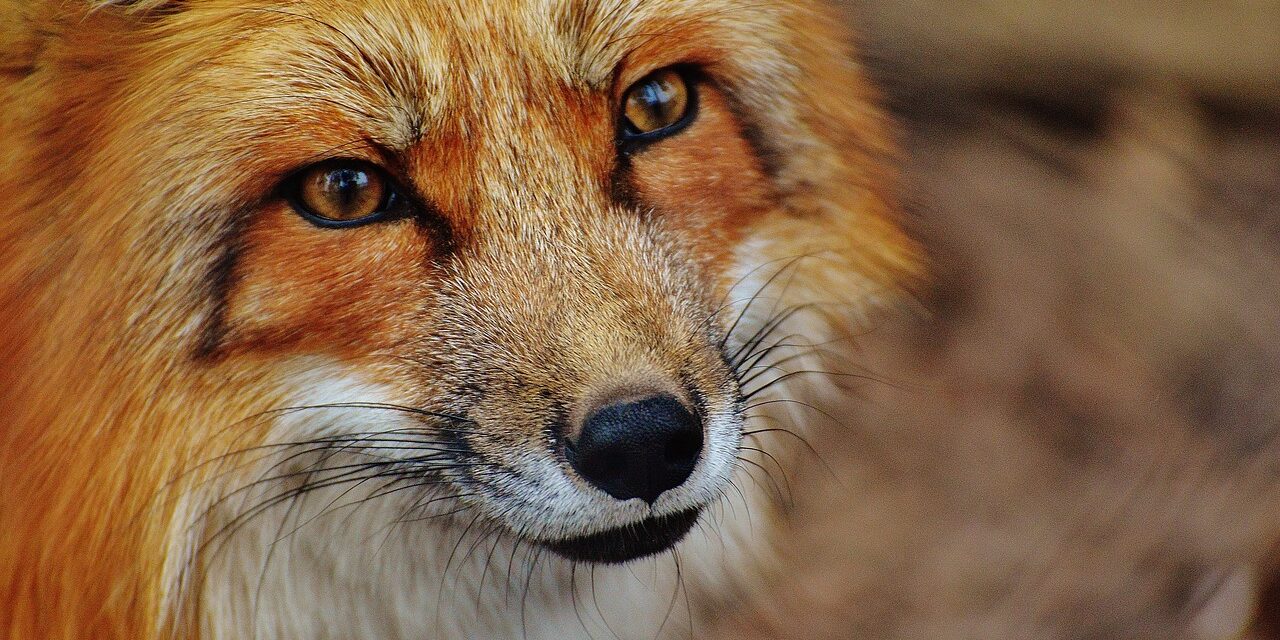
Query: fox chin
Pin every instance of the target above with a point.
(399, 319)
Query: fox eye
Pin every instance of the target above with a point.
(659, 105)
(340, 193)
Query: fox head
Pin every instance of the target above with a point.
(520, 268)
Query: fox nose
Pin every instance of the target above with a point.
(637, 449)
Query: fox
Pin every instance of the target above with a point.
(401, 319)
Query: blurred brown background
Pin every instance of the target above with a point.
(1078, 438)
(1226, 50)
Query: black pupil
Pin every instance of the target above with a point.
(345, 185)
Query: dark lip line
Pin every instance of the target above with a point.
(615, 546)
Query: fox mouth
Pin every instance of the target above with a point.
(615, 546)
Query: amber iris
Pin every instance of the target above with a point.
(659, 101)
(342, 191)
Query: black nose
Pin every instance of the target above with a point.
(637, 449)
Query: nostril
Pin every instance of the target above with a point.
(637, 449)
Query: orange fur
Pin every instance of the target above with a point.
(153, 287)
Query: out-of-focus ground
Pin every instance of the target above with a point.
(1081, 438)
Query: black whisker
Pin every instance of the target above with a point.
(781, 469)
(733, 328)
(777, 490)
(834, 374)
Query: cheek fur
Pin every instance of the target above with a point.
(348, 292)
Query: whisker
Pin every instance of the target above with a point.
(777, 490)
(752, 359)
(834, 374)
(462, 536)
(742, 496)
(747, 309)
(781, 470)
(756, 364)
(671, 606)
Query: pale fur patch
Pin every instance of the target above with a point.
(333, 564)
(340, 563)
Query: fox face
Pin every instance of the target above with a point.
(311, 274)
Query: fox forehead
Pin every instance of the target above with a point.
(401, 71)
